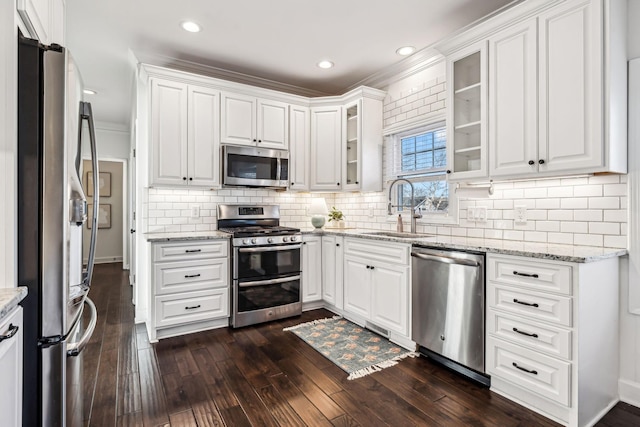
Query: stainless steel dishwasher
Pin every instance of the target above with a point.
(448, 308)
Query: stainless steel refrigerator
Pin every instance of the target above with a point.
(52, 212)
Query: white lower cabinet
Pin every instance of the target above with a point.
(552, 341)
(376, 283)
(311, 270)
(191, 287)
(332, 278)
(11, 368)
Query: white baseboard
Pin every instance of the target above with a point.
(629, 392)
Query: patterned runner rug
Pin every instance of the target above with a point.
(354, 349)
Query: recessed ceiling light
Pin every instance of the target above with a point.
(190, 26)
(325, 64)
(406, 50)
(89, 92)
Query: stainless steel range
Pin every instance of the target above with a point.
(266, 264)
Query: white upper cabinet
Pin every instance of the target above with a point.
(247, 120)
(346, 142)
(203, 152)
(184, 134)
(43, 19)
(326, 146)
(571, 87)
(299, 147)
(513, 106)
(467, 113)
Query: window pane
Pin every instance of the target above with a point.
(424, 151)
(435, 195)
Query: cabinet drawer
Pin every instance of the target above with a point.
(529, 273)
(184, 276)
(537, 336)
(535, 305)
(530, 370)
(190, 250)
(191, 307)
(393, 253)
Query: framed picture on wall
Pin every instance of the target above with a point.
(104, 216)
(104, 186)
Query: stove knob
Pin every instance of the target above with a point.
(253, 241)
(294, 238)
(245, 242)
(285, 239)
(269, 240)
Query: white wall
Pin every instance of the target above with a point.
(8, 142)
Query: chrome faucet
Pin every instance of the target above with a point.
(415, 209)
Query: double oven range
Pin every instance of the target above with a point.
(266, 268)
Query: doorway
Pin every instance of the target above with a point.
(111, 246)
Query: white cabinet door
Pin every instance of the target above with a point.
(11, 369)
(467, 113)
(311, 269)
(273, 124)
(36, 15)
(203, 137)
(352, 146)
(571, 91)
(168, 132)
(299, 134)
(390, 297)
(326, 145)
(513, 142)
(332, 279)
(357, 286)
(238, 119)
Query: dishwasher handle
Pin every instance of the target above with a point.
(446, 259)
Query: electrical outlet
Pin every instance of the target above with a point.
(471, 214)
(195, 211)
(520, 214)
(481, 214)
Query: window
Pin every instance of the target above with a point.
(420, 156)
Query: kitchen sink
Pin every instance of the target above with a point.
(399, 235)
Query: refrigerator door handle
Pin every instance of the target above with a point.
(74, 349)
(87, 114)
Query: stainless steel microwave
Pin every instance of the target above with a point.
(254, 167)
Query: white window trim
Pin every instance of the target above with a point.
(452, 216)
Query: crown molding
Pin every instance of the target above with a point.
(219, 73)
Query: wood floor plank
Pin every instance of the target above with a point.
(154, 408)
(175, 395)
(130, 420)
(359, 413)
(249, 400)
(299, 402)
(218, 387)
(344, 421)
(129, 399)
(279, 407)
(104, 412)
(202, 404)
(183, 419)
(235, 416)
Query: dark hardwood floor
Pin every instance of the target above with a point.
(262, 376)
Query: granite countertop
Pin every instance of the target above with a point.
(9, 298)
(567, 253)
(186, 235)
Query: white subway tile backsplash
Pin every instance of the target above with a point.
(604, 203)
(560, 215)
(587, 190)
(574, 203)
(588, 215)
(588, 239)
(610, 228)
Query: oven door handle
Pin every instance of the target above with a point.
(270, 248)
(268, 282)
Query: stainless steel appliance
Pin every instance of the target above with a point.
(266, 264)
(448, 308)
(254, 167)
(52, 211)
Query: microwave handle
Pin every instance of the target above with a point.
(278, 169)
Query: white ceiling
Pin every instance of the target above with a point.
(277, 40)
